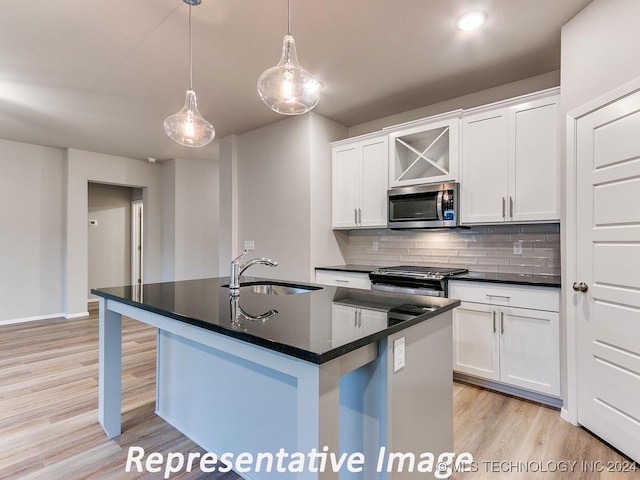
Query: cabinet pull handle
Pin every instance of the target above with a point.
(355, 318)
(359, 318)
(355, 216)
(494, 321)
(502, 323)
(359, 216)
(511, 207)
(338, 280)
(506, 297)
(504, 207)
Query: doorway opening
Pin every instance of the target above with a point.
(115, 236)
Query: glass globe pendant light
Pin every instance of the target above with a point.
(288, 88)
(188, 127)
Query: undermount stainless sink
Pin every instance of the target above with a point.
(271, 288)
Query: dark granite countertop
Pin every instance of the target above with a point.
(512, 278)
(350, 267)
(304, 326)
(509, 278)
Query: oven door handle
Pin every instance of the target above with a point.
(439, 205)
(408, 290)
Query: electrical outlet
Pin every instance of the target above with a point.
(93, 223)
(517, 248)
(398, 354)
(249, 245)
(375, 246)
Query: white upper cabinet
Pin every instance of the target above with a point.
(510, 162)
(360, 182)
(425, 151)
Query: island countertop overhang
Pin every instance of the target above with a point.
(309, 326)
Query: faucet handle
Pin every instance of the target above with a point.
(239, 257)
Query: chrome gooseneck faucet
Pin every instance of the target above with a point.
(237, 269)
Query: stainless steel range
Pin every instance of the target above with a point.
(418, 280)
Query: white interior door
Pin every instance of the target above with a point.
(608, 272)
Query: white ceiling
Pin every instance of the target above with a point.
(101, 75)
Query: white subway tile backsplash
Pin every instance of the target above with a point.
(483, 248)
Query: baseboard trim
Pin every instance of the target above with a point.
(11, 321)
(76, 315)
(566, 415)
(516, 392)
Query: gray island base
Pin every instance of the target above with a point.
(339, 412)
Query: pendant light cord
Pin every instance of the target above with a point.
(190, 53)
(288, 17)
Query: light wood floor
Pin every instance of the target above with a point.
(49, 428)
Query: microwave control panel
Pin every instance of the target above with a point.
(448, 208)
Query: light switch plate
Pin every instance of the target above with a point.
(375, 246)
(249, 245)
(398, 354)
(517, 248)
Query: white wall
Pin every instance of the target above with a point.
(284, 195)
(599, 54)
(476, 99)
(273, 196)
(190, 205)
(325, 249)
(83, 167)
(227, 172)
(44, 232)
(110, 239)
(599, 50)
(32, 210)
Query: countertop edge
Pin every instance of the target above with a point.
(349, 268)
(374, 337)
(526, 283)
(315, 358)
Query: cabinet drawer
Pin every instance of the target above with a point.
(343, 279)
(522, 296)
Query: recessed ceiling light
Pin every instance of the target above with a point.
(471, 20)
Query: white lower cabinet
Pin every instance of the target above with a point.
(476, 347)
(343, 279)
(503, 342)
(350, 323)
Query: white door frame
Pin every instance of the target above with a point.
(569, 227)
(137, 238)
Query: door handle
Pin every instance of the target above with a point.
(580, 287)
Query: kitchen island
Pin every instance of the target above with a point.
(295, 373)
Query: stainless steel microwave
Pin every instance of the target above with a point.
(423, 206)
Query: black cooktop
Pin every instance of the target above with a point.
(411, 270)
